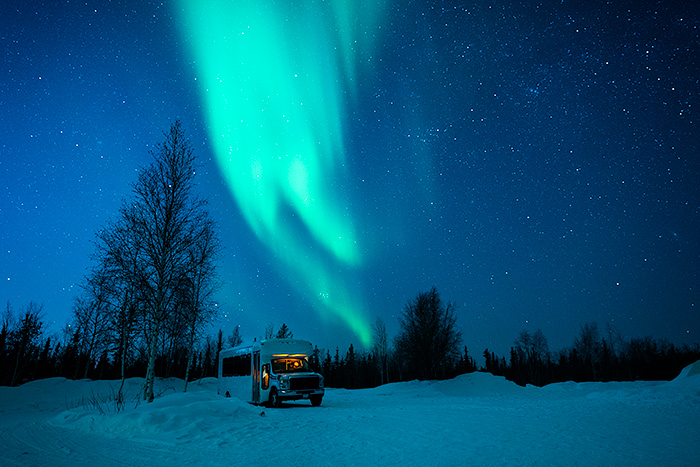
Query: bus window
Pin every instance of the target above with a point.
(227, 367)
(290, 365)
(241, 365)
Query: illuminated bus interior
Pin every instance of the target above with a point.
(290, 365)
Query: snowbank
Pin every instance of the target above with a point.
(474, 419)
(690, 374)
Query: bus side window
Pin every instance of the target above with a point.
(227, 367)
(266, 376)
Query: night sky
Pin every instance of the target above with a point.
(538, 164)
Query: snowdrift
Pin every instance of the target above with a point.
(474, 419)
(691, 371)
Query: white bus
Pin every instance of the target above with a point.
(270, 371)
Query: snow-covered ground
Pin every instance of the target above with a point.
(475, 419)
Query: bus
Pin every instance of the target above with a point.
(270, 371)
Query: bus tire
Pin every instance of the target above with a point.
(316, 400)
(274, 400)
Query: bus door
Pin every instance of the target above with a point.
(256, 377)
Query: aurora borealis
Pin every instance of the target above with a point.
(274, 81)
(536, 163)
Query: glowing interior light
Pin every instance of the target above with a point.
(274, 78)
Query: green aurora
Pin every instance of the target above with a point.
(276, 79)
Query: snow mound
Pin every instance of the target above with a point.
(175, 416)
(475, 384)
(688, 380)
(479, 385)
(691, 371)
(171, 416)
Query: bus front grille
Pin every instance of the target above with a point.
(306, 382)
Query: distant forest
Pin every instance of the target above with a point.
(28, 353)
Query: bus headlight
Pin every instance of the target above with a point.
(284, 383)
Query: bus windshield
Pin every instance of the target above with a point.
(290, 365)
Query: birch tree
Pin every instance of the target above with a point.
(199, 285)
(91, 316)
(119, 251)
(380, 348)
(166, 222)
(152, 243)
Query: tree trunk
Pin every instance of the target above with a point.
(89, 360)
(151, 370)
(187, 370)
(16, 372)
(120, 394)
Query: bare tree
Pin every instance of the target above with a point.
(588, 345)
(235, 338)
(199, 285)
(7, 319)
(380, 348)
(167, 221)
(429, 339)
(153, 243)
(7, 316)
(124, 323)
(24, 339)
(7, 327)
(91, 316)
(533, 352)
(119, 251)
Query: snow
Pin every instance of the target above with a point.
(475, 419)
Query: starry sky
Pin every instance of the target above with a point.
(536, 162)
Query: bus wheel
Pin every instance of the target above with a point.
(316, 400)
(274, 398)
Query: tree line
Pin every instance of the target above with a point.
(427, 328)
(424, 349)
(594, 355)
